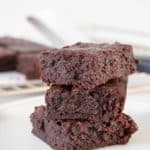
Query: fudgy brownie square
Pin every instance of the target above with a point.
(28, 64)
(7, 60)
(102, 102)
(87, 65)
(81, 135)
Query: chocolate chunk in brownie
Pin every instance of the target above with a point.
(7, 60)
(87, 65)
(81, 135)
(105, 101)
(28, 64)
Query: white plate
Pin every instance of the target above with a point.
(15, 126)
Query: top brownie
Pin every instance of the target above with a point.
(87, 64)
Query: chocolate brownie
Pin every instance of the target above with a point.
(21, 54)
(81, 135)
(104, 101)
(87, 65)
(28, 64)
(7, 60)
(19, 45)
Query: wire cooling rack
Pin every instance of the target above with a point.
(29, 87)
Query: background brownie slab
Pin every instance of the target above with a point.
(86, 64)
(104, 101)
(81, 135)
(7, 60)
(28, 64)
(23, 56)
(19, 45)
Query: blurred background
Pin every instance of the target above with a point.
(112, 20)
(58, 23)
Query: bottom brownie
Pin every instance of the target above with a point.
(81, 135)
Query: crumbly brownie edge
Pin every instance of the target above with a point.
(81, 134)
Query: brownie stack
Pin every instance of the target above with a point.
(86, 97)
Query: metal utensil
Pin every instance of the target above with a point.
(55, 39)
